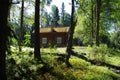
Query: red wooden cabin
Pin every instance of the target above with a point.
(53, 35)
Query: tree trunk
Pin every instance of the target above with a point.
(92, 22)
(21, 26)
(4, 33)
(37, 55)
(98, 3)
(70, 36)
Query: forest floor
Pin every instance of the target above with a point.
(57, 70)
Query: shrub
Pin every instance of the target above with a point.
(98, 53)
(21, 66)
(27, 40)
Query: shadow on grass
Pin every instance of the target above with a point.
(43, 71)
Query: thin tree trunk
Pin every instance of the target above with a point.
(4, 33)
(92, 20)
(21, 26)
(70, 36)
(98, 3)
(37, 34)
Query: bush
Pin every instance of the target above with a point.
(21, 66)
(115, 40)
(14, 42)
(98, 53)
(27, 40)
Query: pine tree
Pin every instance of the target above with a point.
(63, 15)
(55, 15)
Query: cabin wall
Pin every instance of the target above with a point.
(52, 39)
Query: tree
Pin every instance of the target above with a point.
(115, 39)
(98, 5)
(55, 14)
(70, 35)
(37, 55)
(62, 14)
(85, 29)
(45, 2)
(89, 22)
(21, 26)
(46, 19)
(65, 17)
(109, 19)
(92, 22)
(4, 36)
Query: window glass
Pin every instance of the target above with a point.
(44, 40)
(59, 40)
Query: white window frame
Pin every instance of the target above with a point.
(44, 40)
(59, 40)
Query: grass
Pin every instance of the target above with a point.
(81, 69)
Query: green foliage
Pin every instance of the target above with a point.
(115, 39)
(29, 19)
(46, 19)
(26, 42)
(104, 38)
(65, 20)
(51, 49)
(45, 2)
(98, 53)
(109, 21)
(23, 67)
(98, 76)
(55, 14)
(62, 14)
(84, 25)
(14, 42)
(104, 54)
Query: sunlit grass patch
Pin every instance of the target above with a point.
(104, 73)
(77, 63)
(85, 71)
(48, 50)
(80, 49)
(115, 60)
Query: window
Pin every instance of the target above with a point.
(59, 40)
(44, 40)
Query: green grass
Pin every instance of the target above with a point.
(81, 69)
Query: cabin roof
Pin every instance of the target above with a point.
(55, 29)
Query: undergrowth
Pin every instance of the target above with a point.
(21, 66)
(104, 54)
